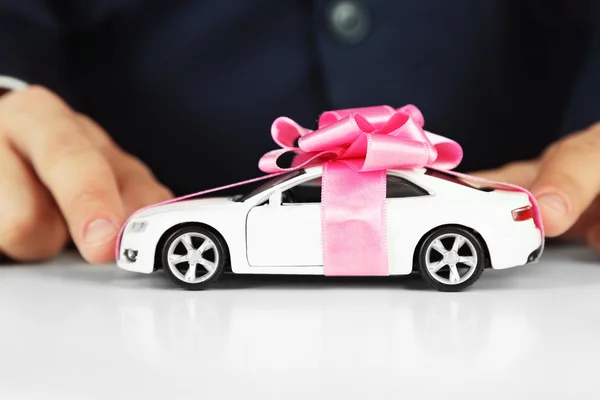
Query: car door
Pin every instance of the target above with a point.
(286, 229)
(408, 216)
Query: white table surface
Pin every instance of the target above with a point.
(74, 331)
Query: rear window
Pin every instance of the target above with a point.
(457, 180)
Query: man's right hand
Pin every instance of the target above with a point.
(62, 177)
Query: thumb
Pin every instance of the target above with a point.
(568, 182)
(520, 173)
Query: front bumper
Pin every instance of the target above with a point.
(135, 255)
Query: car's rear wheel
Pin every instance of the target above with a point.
(451, 258)
(193, 257)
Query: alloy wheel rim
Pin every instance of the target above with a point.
(193, 257)
(451, 259)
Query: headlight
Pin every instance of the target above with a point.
(138, 226)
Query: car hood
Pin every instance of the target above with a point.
(184, 205)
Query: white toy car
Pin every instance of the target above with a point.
(437, 224)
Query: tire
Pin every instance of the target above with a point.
(208, 266)
(469, 260)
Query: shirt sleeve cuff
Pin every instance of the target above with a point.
(9, 83)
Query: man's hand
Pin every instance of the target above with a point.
(566, 181)
(61, 177)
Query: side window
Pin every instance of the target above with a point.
(399, 188)
(307, 192)
(310, 191)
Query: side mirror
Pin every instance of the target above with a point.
(276, 199)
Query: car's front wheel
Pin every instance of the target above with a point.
(451, 258)
(193, 257)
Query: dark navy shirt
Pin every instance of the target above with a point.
(191, 87)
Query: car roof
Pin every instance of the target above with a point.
(418, 176)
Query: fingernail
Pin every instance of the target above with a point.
(99, 232)
(554, 203)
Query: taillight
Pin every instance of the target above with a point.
(523, 213)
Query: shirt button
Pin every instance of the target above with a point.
(349, 20)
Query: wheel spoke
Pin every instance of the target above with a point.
(177, 259)
(458, 242)
(190, 275)
(187, 242)
(470, 261)
(454, 275)
(209, 265)
(439, 247)
(434, 268)
(206, 245)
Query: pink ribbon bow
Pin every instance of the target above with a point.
(356, 147)
(365, 139)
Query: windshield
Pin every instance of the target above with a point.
(269, 184)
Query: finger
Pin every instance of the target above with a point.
(568, 182)
(97, 135)
(520, 173)
(80, 179)
(31, 227)
(588, 220)
(138, 185)
(138, 192)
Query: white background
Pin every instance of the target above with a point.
(74, 331)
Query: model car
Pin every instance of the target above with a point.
(438, 225)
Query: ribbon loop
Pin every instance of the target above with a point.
(376, 115)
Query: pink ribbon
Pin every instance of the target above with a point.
(356, 148)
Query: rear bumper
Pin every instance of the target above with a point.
(535, 255)
(522, 246)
